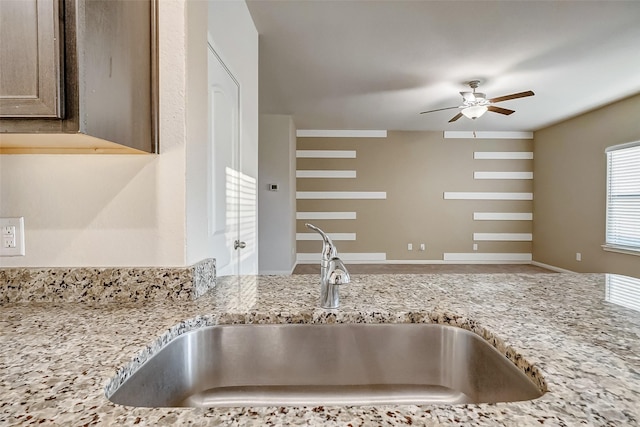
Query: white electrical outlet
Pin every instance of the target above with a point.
(475, 246)
(12, 237)
(409, 246)
(578, 256)
(422, 246)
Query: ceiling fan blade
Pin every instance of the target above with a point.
(439, 109)
(512, 96)
(504, 111)
(456, 117)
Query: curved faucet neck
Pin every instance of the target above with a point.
(329, 250)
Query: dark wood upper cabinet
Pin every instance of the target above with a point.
(78, 76)
(30, 47)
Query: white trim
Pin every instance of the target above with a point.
(502, 237)
(502, 216)
(503, 155)
(316, 259)
(276, 273)
(622, 146)
(621, 249)
(475, 256)
(503, 175)
(326, 133)
(326, 215)
(326, 154)
(448, 195)
(414, 261)
(551, 267)
(442, 262)
(329, 195)
(487, 135)
(333, 236)
(325, 174)
(373, 257)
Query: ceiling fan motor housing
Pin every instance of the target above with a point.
(472, 99)
(475, 104)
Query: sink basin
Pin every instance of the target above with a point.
(338, 364)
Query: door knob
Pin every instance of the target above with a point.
(238, 244)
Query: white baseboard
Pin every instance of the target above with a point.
(551, 267)
(279, 272)
(367, 257)
(275, 273)
(439, 261)
(426, 262)
(461, 257)
(419, 261)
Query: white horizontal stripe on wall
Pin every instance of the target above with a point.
(475, 256)
(325, 174)
(333, 236)
(326, 133)
(507, 237)
(325, 215)
(326, 154)
(345, 256)
(487, 196)
(503, 155)
(502, 216)
(503, 175)
(326, 195)
(487, 134)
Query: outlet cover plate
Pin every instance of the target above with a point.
(12, 236)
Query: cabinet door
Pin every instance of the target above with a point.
(30, 72)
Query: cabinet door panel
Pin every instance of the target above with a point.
(30, 71)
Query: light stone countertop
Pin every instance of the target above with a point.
(57, 358)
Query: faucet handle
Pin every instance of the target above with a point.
(328, 248)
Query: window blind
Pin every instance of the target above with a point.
(623, 196)
(623, 290)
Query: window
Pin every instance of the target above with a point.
(623, 198)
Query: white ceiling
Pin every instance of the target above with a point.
(377, 64)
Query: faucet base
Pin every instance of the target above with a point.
(329, 296)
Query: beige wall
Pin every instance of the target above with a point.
(415, 169)
(570, 189)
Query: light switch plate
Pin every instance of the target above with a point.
(12, 237)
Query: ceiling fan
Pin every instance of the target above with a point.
(475, 104)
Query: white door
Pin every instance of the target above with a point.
(224, 170)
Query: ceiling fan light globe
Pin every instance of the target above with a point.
(474, 112)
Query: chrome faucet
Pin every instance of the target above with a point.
(333, 272)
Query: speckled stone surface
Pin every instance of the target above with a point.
(123, 284)
(57, 358)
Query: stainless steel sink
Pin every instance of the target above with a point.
(339, 364)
